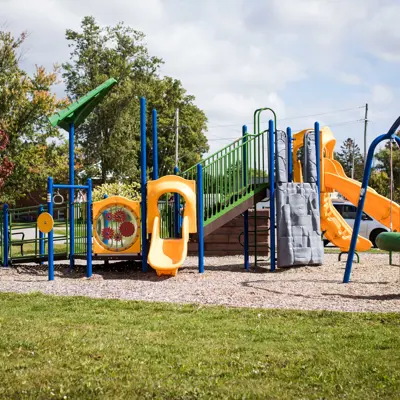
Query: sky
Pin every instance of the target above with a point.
(307, 59)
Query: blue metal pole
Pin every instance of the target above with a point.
(177, 205)
(41, 237)
(317, 136)
(105, 241)
(246, 213)
(89, 229)
(51, 233)
(200, 217)
(155, 145)
(143, 182)
(271, 174)
(363, 195)
(289, 139)
(71, 194)
(5, 235)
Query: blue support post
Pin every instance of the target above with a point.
(271, 174)
(51, 233)
(200, 217)
(105, 241)
(89, 229)
(246, 213)
(177, 205)
(289, 139)
(41, 238)
(5, 235)
(143, 182)
(317, 137)
(155, 145)
(71, 194)
(363, 194)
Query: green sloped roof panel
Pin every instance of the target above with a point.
(80, 109)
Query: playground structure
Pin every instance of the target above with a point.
(216, 190)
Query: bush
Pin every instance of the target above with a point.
(131, 191)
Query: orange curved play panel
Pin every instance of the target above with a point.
(167, 255)
(116, 226)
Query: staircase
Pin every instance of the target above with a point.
(234, 179)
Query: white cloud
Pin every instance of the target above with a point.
(235, 56)
(382, 94)
(350, 79)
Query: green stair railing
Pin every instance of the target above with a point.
(232, 175)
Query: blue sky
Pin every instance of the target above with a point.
(300, 57)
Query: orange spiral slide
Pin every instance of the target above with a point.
(333, 178)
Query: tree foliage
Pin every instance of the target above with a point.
(110, 137)
(130, 191)
(380, 177)
(350, 150)
(6, 166)
(25, 103)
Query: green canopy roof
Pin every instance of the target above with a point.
(80, 109)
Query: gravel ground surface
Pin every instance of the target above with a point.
(375, 285)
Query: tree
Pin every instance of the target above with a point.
(380, 177)
(25, 103)
(350, 153)
(6, 166)
(110, 136)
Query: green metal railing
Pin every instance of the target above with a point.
(232, 175)
(24, 236)
(80, 224)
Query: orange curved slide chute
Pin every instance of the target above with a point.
(167, 255)
(377, 206)
(336, 229)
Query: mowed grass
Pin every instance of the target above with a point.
(75, 347)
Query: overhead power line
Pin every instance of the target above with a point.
(211, 125)
(219, 138)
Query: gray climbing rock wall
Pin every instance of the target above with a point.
(309, 159)
(298, 217)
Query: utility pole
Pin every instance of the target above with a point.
(352, 165)
(176, 135)
(365, 132)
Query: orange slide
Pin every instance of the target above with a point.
(167, 255)
(376, 206)
(333, 178)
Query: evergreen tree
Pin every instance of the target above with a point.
(349, 156)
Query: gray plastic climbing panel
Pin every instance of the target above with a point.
(298, 217)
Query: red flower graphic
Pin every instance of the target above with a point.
(109, 216)
(127, 229)
(118, 237)
(107, 233)
(119, 216)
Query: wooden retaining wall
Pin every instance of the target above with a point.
(225, 240)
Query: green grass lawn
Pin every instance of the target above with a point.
(55, 347)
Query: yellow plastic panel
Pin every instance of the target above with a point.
(168, 184)
(123, 229)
